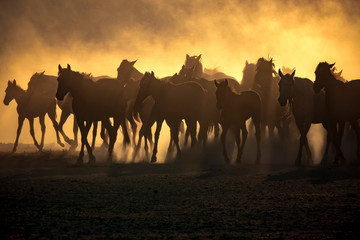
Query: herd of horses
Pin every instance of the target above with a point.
(200, 97)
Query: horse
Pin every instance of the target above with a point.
(31, 105)
(172, 104)
(342, 104)
(249, 71)
(265, 84)
(235, 110)
(212, 113)
(306, 106)
(93, 101)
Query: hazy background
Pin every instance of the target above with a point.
(94, 37)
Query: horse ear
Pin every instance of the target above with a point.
(331, 65)
(293, 74)
(246, 63)
(280, 73)
(14, 82)
(152, 73)
(133, 62)
(42, 73)
(187, 56)
(68, 67)
(59, 67)
(183, 66)
(216, 84)
(226, 82)
(340, 73)
(198, 58)
(9, 83)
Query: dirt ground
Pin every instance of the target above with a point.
(45, 196)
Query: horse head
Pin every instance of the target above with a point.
(264, 72)
(125, 69)
(221, 89)
(187, 72)
(64, 81)
(323, 74)
(144, 90)
(194, 61)
(10, 92)
(286, 84)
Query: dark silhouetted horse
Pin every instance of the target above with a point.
(249, 71)
(32, 104)
(342, 104)
(172, 103)
(306, 106)
(235, 110)
(266, 85)
(94, 101)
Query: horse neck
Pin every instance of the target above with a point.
(157, 89)
(80, 86)
(19, 93)
(333, 85)
(228, 97)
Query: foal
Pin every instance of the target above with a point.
(235, 110)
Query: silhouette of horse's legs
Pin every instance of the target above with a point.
(243, 141)
(223, 141)
(157, 134)
(84, 130)
(94, 135)
(20, 124)
(336, 135)
(52, 116)
(125, 133)
(191, 125)
(174, 131)
(256, 121)
(216, 130)
(43, 128)
(31, 123)
(236, 132)
(64, 116)
(104, 135)
(133, 127)
(204, 128)
(355, 126)
(75, 131)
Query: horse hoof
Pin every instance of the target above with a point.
(92, 160)
(153, 159)
(61, 144)
(14, 150)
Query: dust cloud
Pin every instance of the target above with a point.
(94, 36)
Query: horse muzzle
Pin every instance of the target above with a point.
(6, 102)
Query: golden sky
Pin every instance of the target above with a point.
(94, 36)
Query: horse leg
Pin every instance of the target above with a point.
(216, 130)
(236, 132)
(223, 141)
(300, 124)
(336, 138)
(243, 140)
(43, 128)
(125, 133)
(176, 137)
(31, 123)
(133, 127)
(112, 130)
(191, 125)
(52, 116)
(187, 135)
(204, 127)
(94, 135)
(104, 136)
(157, 134)
(306, 143)
(328, 142)
(257, 125)
(355, 126)
(75, 132)
(64, 116)
(84, 129)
